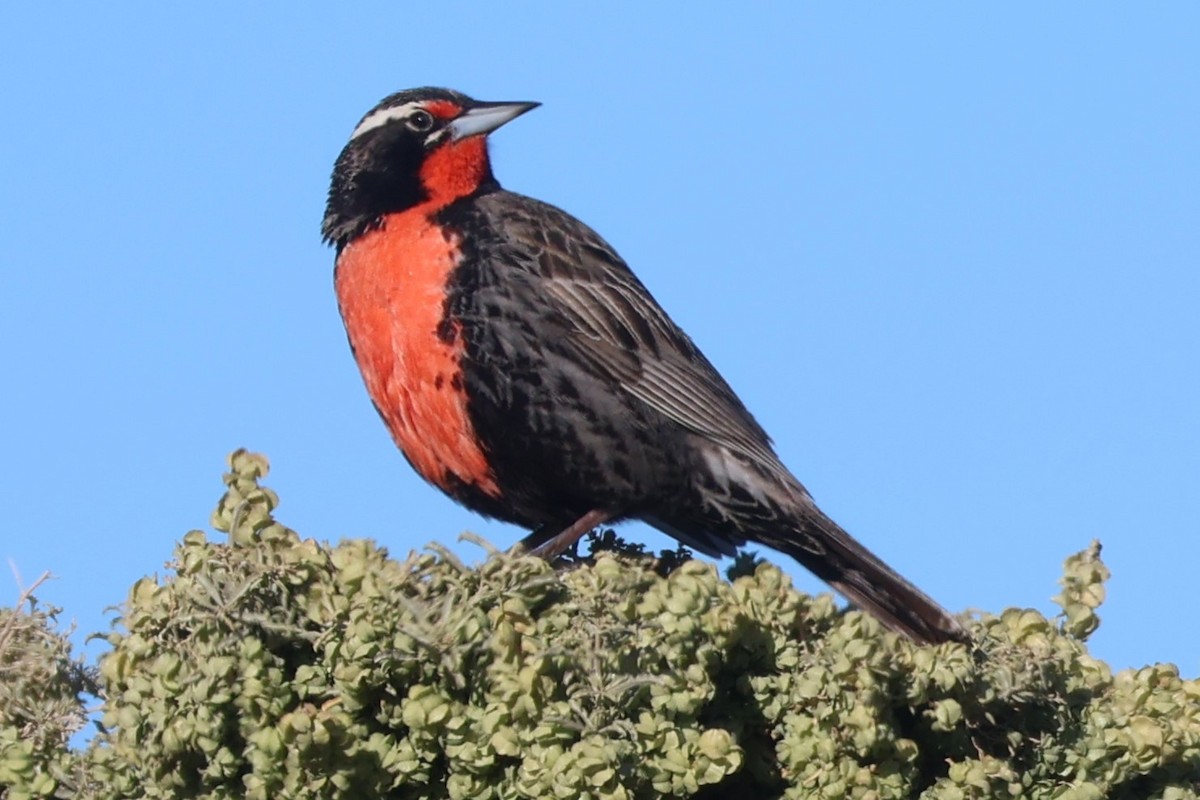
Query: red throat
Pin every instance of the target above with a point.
(455, 170)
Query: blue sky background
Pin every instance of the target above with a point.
(947, 255)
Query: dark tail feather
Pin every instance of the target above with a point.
(837, 558)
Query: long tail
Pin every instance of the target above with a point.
(837, 558)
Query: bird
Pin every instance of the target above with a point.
(525, 371)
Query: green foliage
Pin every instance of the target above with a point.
(272, 666)
(1083, 592)
(41, 703)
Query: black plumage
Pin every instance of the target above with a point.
(591, 405)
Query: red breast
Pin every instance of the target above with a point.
(391, 288)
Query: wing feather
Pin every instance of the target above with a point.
(610, 320)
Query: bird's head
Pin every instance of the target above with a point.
(417, 147)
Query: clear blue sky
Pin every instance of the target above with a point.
(947, 255)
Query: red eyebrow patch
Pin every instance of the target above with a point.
(443, 109)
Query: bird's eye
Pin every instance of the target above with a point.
(420, 121)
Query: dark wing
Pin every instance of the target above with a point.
(612, 321)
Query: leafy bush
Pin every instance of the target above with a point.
(272, 666)
(42, 689)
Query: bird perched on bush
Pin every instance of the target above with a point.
(525, 371)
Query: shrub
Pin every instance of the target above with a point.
(42, 702)
(271, 666)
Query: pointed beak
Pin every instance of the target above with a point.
(486, 117)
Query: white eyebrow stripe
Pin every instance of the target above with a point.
(383, 116)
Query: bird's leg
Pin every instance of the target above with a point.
(550, 547)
